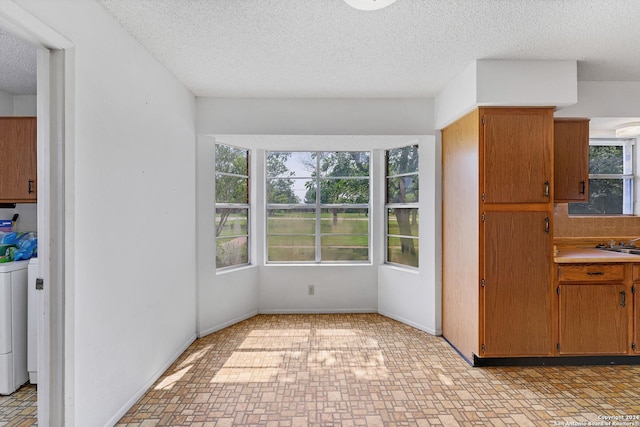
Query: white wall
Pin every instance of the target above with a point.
(24, 105)
(6, 104)
(27, 216)
(414, 297)
(276, 116)
(604, 99)
(490, 82)
(338, 288)
(130, 282)
(17, 105)
(230, 296)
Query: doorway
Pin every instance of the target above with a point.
(51, 139)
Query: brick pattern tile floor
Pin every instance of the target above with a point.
(368, 370)
(20, 408)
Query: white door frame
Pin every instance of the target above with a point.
(54, 81)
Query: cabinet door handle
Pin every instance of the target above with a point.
(623, 299)
(546, 189)
(547, 225)
(582, 187)
(595, 273)
(30, 186)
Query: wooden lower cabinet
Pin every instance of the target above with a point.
(593, 319)
(515, 298)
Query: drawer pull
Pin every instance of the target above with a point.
(595, 273)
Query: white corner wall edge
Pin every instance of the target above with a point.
(145, 387)
(221, 326)
(420, 327)
(522, 83)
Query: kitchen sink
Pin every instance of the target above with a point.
(632, 251)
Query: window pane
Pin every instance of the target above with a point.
(232, 160)
(291, 221)
(343, 191)
(344, 164)
(402, 189)
(606, 159)
(344, 221)
(402, 250)
(231, 189)
(291, 164)
(606, 196)
(290, 191)
(231, 251)
(291, 248)
(231, 222)
(403, 222)
(402, 160)
(345, 248)
(311, 180)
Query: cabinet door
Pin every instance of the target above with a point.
(516, 306)
(517, 155)
(593, 319)
(636, 317)
(18, 159)
(571, 160)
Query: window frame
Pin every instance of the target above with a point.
(317, 209)
(233, 205)
(629, 150)
(395, 205)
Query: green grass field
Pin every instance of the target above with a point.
(345, 237)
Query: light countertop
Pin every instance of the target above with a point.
(587, 255)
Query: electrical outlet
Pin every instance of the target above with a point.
(312, 289)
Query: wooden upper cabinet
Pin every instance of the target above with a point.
(18, 159)
(516, 308)
(571, 160)
(517, 148)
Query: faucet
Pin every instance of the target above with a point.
(630, 242)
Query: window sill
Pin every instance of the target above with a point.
(227, 270)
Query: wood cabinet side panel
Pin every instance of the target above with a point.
(460, 228)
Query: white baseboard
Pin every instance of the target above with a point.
(132, 401)
(318, 310)
(221, 326)
(411, 323)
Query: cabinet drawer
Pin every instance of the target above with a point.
(591, 273)
(636, 272)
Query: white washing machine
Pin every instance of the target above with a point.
(32, 323)
(13, 326)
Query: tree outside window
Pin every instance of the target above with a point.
(232, 206)
(402, 213)
(611, 172)
(317, 206)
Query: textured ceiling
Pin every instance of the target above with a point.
(17, 65)
(324, 48)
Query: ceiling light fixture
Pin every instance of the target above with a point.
(628, 130)
(369, 4)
